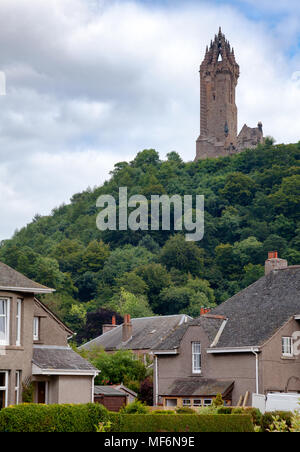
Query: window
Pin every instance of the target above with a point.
(287, 346)
(18, 322)
(4, 321)
(197, 402)
(196, 352)
(186, 402)
(36, 328)
(207, 402)
(3, 389)
(17, 387)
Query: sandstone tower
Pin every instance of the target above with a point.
(219, 73)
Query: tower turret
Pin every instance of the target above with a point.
(219, 73)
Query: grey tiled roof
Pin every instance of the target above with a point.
(197, 386)
(210, 325)
(11, 279)
(108, 390)
(257, 312)
(59, 358)
(147, 333)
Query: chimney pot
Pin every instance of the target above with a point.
(274, 263)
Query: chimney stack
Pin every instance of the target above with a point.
(204, 311)
(274, 263)
(107, 327)
(126, 328)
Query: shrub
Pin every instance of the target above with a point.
(182, 423)
(53, 418)
(207, 410)
(185, 410)
(267, 419)
(135, 407)
(163, 412)
(218, 401)
(224, 410)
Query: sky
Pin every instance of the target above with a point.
(90, 83)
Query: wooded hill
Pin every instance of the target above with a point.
(251, 207)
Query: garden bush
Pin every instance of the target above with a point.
(185, 410)
(182, 423)
(225, 410)
(53, 418)
(135, 407)
(267, 419)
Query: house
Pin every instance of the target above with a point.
(141, 335)
(112, 398)
(244, 346)
(34, 348)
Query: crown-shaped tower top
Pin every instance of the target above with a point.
(220, 56)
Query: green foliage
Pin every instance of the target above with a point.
(128, 303)
(218, 401)
(52, 418)
(135, 407)
(163, 412)
(182, 423)
(185, 410)
(251, 207)
(123, 366)
(267, 419)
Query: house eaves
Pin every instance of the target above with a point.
(233, 350)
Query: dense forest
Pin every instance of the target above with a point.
(251, 207)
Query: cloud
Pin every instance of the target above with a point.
(90, 83)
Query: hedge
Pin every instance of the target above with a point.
(52, 418)
(182, 423)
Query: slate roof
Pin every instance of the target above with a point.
(193, 387)
(257, 312)
(147, 333)
(10, 279)
(108, 390)
(54, 358)
(210, 325)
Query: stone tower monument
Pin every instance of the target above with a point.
(219, 73)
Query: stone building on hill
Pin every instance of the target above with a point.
(219, 73)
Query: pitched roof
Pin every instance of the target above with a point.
(48, 358)
(10, 279)
(256, 313)
(211, 326)
(147, 333)
(108, 390)
(198, 387)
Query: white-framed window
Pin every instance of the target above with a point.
(17, 387)
(36, 328)
(207, 402)
(197, 402)
(186, 402)
(4, 321)
(18, 322)
(3, 388)
(196, 356)
(287, 346)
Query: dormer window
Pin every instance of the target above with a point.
(287, 347)
(36, 328)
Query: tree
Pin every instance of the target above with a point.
(128, 303)
(239, 189)
(119, 367)
(183, 255)
(93, 325)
